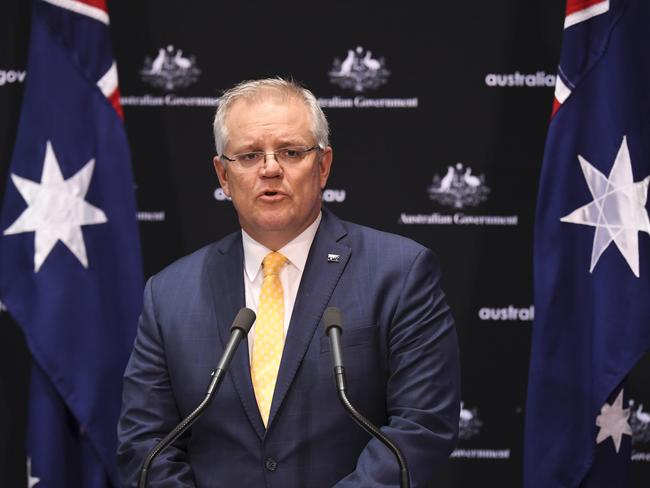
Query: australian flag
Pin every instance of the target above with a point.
(591, 251)
(70, 264)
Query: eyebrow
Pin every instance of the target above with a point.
(255, 147)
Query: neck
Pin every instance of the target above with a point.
(273, 242)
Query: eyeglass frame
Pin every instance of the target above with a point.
(262, 153)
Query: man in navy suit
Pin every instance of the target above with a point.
(399, 340)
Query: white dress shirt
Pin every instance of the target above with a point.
(296, 253)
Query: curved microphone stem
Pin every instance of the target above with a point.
(239, 329)
(333, 328)
(363, 422)
(217, 376)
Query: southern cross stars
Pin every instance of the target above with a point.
(617, 211)
(613, 422)
(56, 209)
(31, 480)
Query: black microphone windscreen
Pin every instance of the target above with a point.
(244, 320)
(332, 318)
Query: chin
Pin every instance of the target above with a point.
(275, 222)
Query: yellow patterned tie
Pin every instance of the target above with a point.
(269, 333)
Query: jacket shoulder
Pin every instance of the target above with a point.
(390, 242)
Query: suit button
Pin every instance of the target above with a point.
(271, 464)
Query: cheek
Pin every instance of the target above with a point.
(239, 185)
(311, 191)
(315, 181)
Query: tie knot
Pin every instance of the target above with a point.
(273, 263)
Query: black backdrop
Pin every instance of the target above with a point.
(455, 86)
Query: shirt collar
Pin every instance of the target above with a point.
(296, 251)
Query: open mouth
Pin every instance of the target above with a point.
(272, 196)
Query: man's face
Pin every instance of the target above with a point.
(274, 203)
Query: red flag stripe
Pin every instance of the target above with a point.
(100, 4)
(114, 98)
(573, 6)
(84, 7)
(562, 92)
(108, 84)
(586, 12)
(556, 107)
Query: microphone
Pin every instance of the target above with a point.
(334, 328)
(238, 330)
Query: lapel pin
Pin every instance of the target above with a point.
(333, 258)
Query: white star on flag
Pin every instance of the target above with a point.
(56, 209)
(617, 210)
(613, 422)
(31, 480)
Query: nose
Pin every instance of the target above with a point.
(271, 167)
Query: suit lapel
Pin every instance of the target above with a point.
(316, 287)
(225, 274)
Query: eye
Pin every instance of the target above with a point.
(292, 152)
(250, 157)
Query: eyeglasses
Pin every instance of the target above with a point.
(286, 156)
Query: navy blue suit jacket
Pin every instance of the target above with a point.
(399, 347)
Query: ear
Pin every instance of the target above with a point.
(222, 174)
(324, 166)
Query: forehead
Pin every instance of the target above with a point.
(252, 119)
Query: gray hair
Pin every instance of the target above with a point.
(259, 89)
